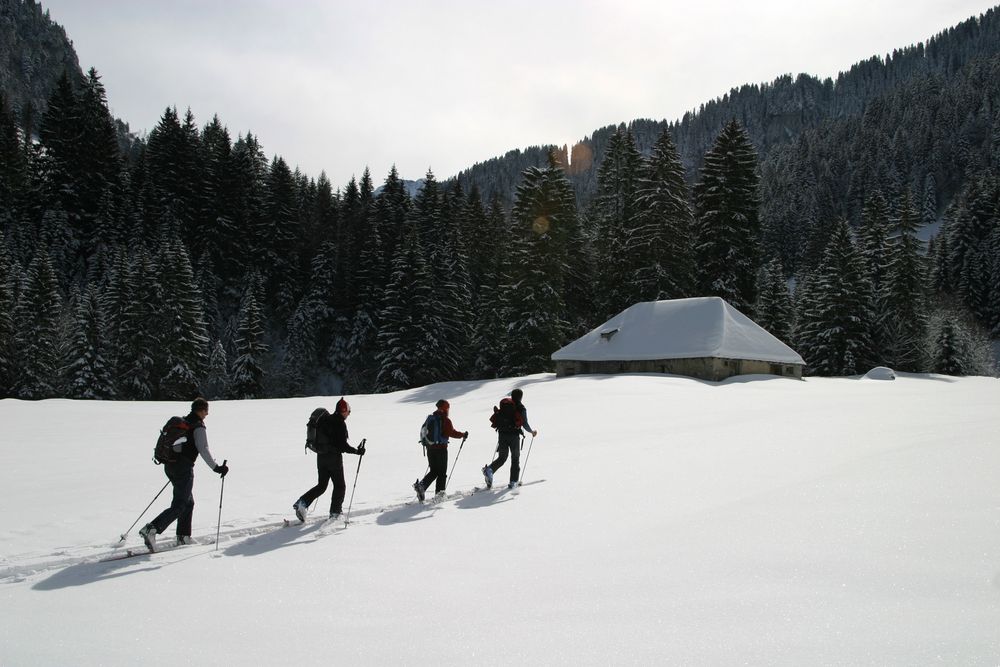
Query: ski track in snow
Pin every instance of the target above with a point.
(18, 568)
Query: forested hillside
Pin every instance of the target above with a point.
(189, 262)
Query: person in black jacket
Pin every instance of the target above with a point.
(181, 475)
(330, 463)
(511, 421)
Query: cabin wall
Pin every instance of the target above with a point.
(704, 368)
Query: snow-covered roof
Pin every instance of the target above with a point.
(679, 329)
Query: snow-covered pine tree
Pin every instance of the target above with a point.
(834, 320)
(615, 218)
(727, 225)
(661, 248)
(877, 251)
(138, 336)
(544, 220)
(10, 275)
(496, 287)
(406, 319)
(904, 295)
(182, 318)
(774, 310)
(90, 374)
(37, 321)
(216, 383)
(247, 376)
(949, 351)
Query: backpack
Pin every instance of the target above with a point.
(316, 439)
(429, 430)
(506, 417)
(173, 435)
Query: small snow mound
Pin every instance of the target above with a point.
(880, 373)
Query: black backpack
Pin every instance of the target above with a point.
(173, 435)
(316, 439)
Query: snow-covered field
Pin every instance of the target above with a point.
(664, 520)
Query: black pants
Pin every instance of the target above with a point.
(437, 459)
(508, 443)
(329, 467)
(181, 475)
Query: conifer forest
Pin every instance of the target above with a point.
(857, 219)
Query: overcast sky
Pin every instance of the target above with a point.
(337, 86)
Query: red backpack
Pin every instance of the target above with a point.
(507, 416)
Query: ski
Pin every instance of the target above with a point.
(143, 551)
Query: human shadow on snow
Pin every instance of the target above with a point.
(90, 572)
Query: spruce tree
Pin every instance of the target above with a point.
(37, 319)
(661, 247)
(774, 310)
(140, 341)
(182, 323)
(247, 376)
(10, 276)
(727, 227)
(615, 218)
(905, 296)
(406, 321)
(90, 374)
(544, 221)
(835, 316)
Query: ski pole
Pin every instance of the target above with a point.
(221, 490)
(356, 474)
(446, 479)
(526, 456)
(125, 534)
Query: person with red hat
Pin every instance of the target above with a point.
(440, 429)
(330, 462)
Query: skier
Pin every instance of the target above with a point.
(509, 421)
(330, 464)
(437, 451)
(181, 476)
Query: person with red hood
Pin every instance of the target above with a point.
(440, 429)
(330, 462)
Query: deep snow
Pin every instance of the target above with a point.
(663, 520)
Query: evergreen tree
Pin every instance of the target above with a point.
(37, 319)
(949, 351)
(406, 319)
(139, 341)
(904, 296)
(89, 374)
(774, 303)
(247, 374)
(835, 315)
(217, 376)
(182, 323)
(615, 217)
(727, 228)
(661, 248)
(10, 276)
(544, 221)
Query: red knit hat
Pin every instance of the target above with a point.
(343, 406)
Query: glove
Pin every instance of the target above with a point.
(361, 450)
(465, 436)
(222, 470)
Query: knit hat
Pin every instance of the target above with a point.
(516, 395)
(343, 406)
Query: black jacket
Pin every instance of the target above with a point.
(334, 428)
